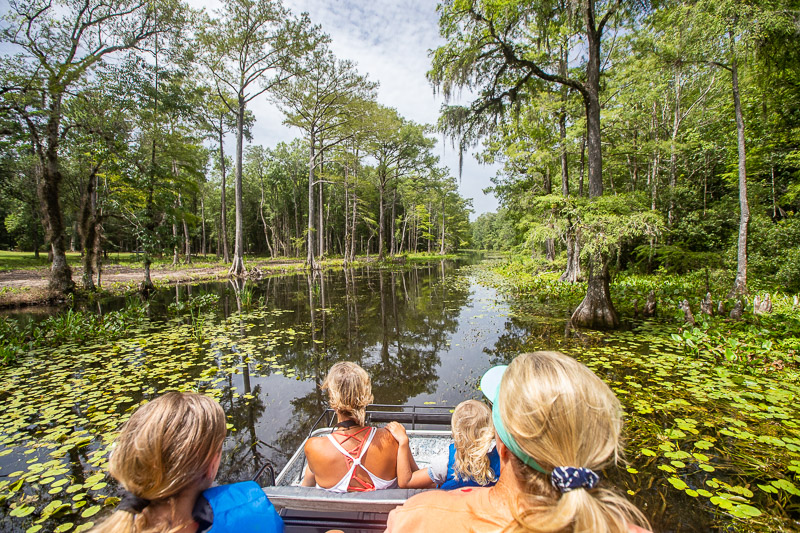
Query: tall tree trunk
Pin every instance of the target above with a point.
(346, 246)
(297, 247)
(203, 224)
(550, 245)
(310, 234)
(353, 230)
(60, 272)
(187, 241)
(35, 233)
(237, 266)
(320, 222)
(673, 173)
(573, 271)
(656, 160)
(393, 246)
(403, 232)
(175, 248)
(740, 283)
(596, 310)
(441, 250)
(583, 165)
(150, 224)
(226, 257)
(263, 220)
(97, 246)
(594, 150)
(381, 190)
(86, 229)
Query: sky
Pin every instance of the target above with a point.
(389, 40)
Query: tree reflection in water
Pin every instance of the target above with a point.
(398, 346)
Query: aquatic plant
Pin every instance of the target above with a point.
(711, 408)
(18, 338)
(60, 418)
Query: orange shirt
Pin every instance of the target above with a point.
(468, 509)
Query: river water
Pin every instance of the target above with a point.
(424, 333)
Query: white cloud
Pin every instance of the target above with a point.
(390, 41)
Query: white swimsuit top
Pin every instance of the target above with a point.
(344, 483)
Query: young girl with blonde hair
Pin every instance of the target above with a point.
(166, 458)
(472, 459)
(557, 425)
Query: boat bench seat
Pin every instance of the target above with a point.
(314, 499)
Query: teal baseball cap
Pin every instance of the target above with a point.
(490, 382)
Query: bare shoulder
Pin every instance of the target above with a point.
(443, 499)
(315, 445)
(636, 529)
(384, 438)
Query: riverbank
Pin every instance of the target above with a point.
(756, 342)
(26, 285)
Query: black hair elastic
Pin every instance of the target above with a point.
(132, 503)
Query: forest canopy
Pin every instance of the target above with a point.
(686, 115)
(127, 125)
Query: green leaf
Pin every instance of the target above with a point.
(678, 483)
(91, 511)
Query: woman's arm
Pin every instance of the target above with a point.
(409, 476)
(309, 480)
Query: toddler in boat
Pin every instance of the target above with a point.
(471, 461)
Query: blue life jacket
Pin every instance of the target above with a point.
(452, 482)
(236, 508)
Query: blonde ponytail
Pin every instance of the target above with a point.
(349, 390)
(562, 415)
(473, 434)
(117, 522)
(166, 447)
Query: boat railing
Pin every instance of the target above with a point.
(415, 415)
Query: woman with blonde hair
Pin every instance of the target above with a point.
(471, 461)
(557, 425)
(166, 457)
(354, 457)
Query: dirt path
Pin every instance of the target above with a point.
(29, 286)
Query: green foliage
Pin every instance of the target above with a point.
(610, 221)
(775, 252)
(17, 338)
(675, 258)
(493, 231)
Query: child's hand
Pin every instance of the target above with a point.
(398, 432)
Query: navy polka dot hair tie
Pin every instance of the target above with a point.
(567, 478)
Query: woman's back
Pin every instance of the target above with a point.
(374, 449)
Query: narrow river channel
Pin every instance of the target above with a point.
(424, 333)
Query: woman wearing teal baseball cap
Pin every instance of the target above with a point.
(557, 426)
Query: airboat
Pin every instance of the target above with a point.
(311, 510)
